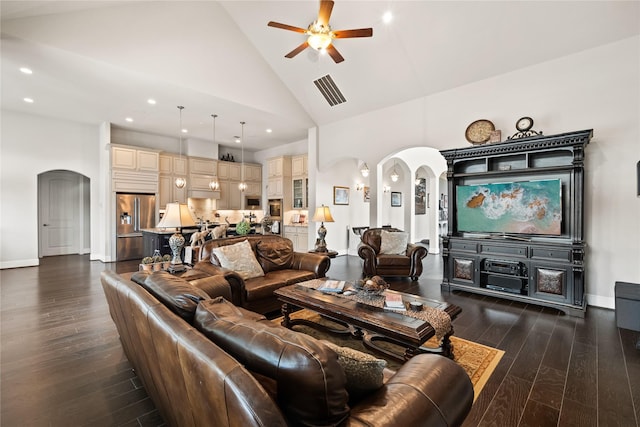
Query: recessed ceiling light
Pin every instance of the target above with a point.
(387, 17)
(185, 131)
(28, 100)
(129, 119)
(269, 130)
(151, 101)
(26, 70)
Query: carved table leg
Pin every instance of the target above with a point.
(286, 320)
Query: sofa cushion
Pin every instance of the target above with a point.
(275, 254)
(177, 294)
(393, 242)
(393, 261)
(240, 258)
(364, 372)
(310, 381)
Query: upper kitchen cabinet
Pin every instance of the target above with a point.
(279, 177)
(203, 166)
(229, 171)
(252, 172)
(172, 167)
(134, 159)
(134, 170)
(299, 166)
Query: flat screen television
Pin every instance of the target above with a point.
(525, 207)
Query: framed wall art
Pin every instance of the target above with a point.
(340, 195)
(367, 195)
(421, 197)
(396, 199)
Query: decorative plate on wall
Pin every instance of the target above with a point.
(479, 131)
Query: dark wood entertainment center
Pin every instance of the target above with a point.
(542, 269)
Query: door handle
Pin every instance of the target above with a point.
(45, 225)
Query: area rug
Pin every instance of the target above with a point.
(479, 361)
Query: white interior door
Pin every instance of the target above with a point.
(59, 193)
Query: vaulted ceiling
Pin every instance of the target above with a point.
(100, 61)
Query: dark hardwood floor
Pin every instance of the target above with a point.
(62, 363)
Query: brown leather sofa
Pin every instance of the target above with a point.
(280, 264)
(205, 362)
(407, 264)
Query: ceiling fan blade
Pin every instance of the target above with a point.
(361, 32)
(333, 52)
(326, 6)
(297, 50)
(286, 27)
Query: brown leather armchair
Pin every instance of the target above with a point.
(408, 264)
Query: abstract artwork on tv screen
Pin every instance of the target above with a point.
(527, 207)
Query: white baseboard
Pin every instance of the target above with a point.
(600, 301)
(20, 263)
(100, 257)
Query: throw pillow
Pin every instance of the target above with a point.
(240, 258)
(275, 254)
(393, 242)
(364, 372)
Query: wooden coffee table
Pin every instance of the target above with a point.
(367, 322)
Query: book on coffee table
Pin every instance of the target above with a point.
(394, 302)
(332, 286)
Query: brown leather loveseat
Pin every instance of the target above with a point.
(206, 362)
(279, 265)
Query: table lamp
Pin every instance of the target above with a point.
(177, 216)
(321, 215)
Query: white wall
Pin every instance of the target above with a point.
(31, 145)
(598, 88)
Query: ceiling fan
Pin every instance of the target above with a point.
(320, 33)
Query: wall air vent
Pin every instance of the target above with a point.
(329, 90)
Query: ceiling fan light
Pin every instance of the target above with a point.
(319, 41)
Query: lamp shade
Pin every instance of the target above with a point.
(177, 215)
(322, 214)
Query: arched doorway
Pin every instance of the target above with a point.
(63, 213)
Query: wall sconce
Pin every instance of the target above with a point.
(386, 189)
(364, 170)
(359, 186)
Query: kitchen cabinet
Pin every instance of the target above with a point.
(171, 168)
(134, 160)
(299, 235)
(300, 182)
(252, 172)
(299, 165)
(230, 196)
(300, 188)
(229, 171)
(203, 166)
(279, 179)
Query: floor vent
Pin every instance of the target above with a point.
(329, 90)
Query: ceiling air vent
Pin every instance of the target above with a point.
(329, 90)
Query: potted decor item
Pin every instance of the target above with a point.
(157, 262)
(243, 228)
(147, 263)
(166, 261)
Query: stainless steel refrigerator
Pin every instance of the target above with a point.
(134, 212)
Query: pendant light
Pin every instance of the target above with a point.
(365, 170)
(243, 185)
(214, 185)
(394, 173)
(180, 182)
